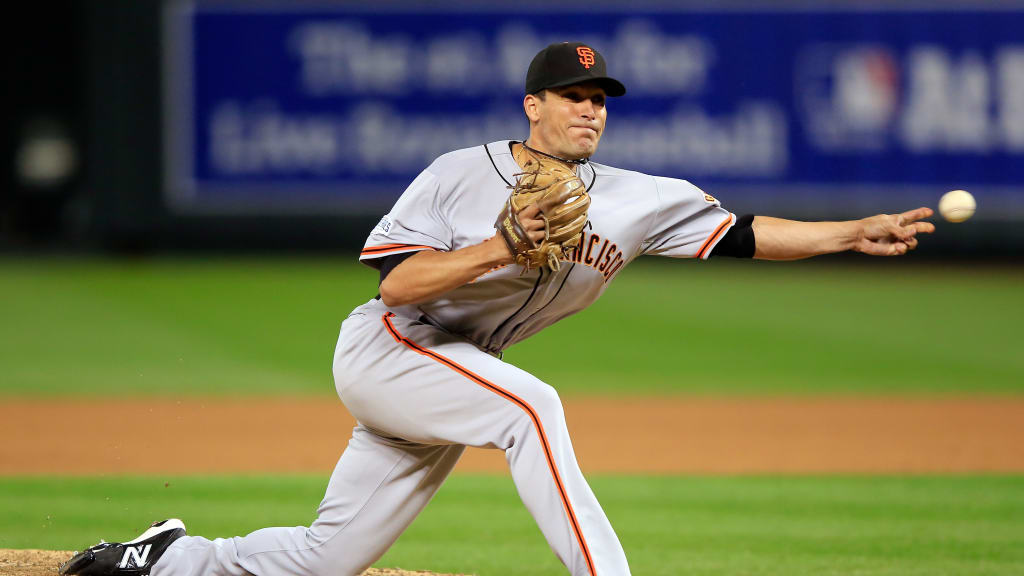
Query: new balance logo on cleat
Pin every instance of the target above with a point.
(135, 556)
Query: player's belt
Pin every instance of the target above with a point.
(424, 319)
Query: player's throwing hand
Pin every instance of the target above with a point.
(893, 234)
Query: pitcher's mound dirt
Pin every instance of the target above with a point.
(45, 563)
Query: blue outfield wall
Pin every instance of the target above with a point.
(281, 107)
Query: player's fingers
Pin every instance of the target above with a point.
(908, 231)
(532, 225)
(530, 212)
(911, 243)
(898, 228)
(915, 215)
(872, 248)
(925, 227)
(884, 248)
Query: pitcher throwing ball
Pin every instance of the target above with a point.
(488, 246)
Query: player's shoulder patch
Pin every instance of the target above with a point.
(384, 226)
(709, 198)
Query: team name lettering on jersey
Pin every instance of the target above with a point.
(598, 253)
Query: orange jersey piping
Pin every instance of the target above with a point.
(389, 248)
(715, 236)
(522, 404)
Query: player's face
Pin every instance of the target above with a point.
(570, 120)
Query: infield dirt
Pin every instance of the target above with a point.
(610, 435)
(45, 563)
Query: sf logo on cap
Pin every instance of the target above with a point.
(586, 56)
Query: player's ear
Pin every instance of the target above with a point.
(531, 105)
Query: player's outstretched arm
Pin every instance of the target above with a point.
(881, 235)
(429, 274)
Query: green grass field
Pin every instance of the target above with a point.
(668, 526)
(222, 326)
(175, 327)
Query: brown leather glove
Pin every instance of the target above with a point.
(563, 201)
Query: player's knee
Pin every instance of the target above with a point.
(546, 405)
(541, 415)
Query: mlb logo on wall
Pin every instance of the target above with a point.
(848, 96)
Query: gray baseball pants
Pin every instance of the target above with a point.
(421, 395)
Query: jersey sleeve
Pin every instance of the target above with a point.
(416, 222)
(688, 223)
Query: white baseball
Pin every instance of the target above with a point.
(957, 205)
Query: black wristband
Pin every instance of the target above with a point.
(739, 241)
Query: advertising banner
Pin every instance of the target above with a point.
(296, 108)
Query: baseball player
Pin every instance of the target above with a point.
(420, 365)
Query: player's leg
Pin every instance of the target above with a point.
(378, 487)
(438, 388)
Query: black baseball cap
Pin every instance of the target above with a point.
(567, 63)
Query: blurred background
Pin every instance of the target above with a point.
(141, 126)
(187, 186)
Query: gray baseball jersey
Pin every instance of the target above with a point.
(426, 381)
(453, 203)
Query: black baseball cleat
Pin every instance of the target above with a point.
(135, 558)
